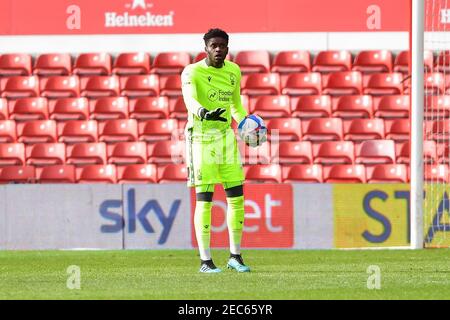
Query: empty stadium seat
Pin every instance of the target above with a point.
(12, 154)
(314, 106)
(437, 107)
(442, 63)
(373, 61)
(77, 131)
(97, 173)
(53, 64)
(345, 173)
(284, 129)
(323, 129)
(172, 173)
(92, 64)
(21, 87)
(437, 173)
(149, 108)
(434, 83)
(42, 154)
(354, 106)
(4, 109)
(440, 131)
(398, 130)
(15, 64)
(64, 173)
(306, 83)
(17, 174)
(109, 108)
(86, 153)
(179, 110)
(258, 173)
(60, 87)
(335, 152)
(158, 129)
(119, 130)
(384, 84)
(430, 153)
(170, 62)
(388, 173)
(100, 86)
(395, 106)
(8, 131)
(344, 83)
(375, 152)
(138, 173)
(254, 155)
(132, 63)
(253, 61)
(332, 61)
(69, 109)
(37, 131)
(170, 86)
(127, 153)
(27, 109)
(140, 85)
(304, 173)
(290, 152)
(261, 84)
(291, 61)
(166, 152)
(271, 106)
(365, 129)
(401, 63)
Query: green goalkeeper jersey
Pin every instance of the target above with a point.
(209, 87)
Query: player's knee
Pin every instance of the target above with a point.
(236, 191)
(204, 196)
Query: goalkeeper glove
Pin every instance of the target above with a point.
(214, 115)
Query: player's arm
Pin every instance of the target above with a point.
(238, 112)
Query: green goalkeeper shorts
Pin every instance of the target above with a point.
(213, 158)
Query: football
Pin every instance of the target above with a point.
(252, 130)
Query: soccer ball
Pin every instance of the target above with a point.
(253, 130)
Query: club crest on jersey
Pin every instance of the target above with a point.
(209, 78)
(232, 79)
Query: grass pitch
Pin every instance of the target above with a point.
(276, 275)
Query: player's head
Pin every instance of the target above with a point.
(216, 46)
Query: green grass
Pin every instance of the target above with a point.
(276, 275)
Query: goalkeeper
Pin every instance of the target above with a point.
(211, 92)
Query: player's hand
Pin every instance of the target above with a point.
(214, 115)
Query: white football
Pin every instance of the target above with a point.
(253, 130)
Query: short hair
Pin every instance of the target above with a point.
(215, 33)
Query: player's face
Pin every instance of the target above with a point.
(217, 50)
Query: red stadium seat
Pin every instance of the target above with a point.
(127, 153)
(284, 129)
(294, 152)
(335, 152)
(303, 84)
(442, 151)
(12, 154)
(100, 86)
(304, 173)
(261, 84)
(42, 154)
(97, 173)
(365, 129)
(270, 173)
(202, 55)
(172, 173)
(140, 85)
(384, 84)
(253, 61)
(77, 131)
(256, 155)
(401, 63)
(437, 107)
(27, 109)
(37, 131)
(57, 174)
(388, 173)
(18, 174)
(3, 109)
(357, 106)
(132, 63)
(8, 131)
(375, 152)
(396, 106)
(119, 130)
(149, 108)
(430, 153)
(332, 61)
(60, 87)
(53, 64)
(109, 108)
(179, 110)
(170, 86)
(271, 106)
(437, 173)
(86, 153)
(373, 61)
(170, 62)
(315, 106)
(292, 61)
(434, 83)
(345, 173)
(344, 83)
(137, 173)
(442, 63)
(21, 87)
(399, 130)
(323, 129)
(15, 64)
(158, 129)
(92, 64)
(440, 131)
(166, 152)
(69, 109)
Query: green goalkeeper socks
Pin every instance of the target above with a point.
(235, 221)
(202, 224)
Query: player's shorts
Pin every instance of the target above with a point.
(213, 158)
